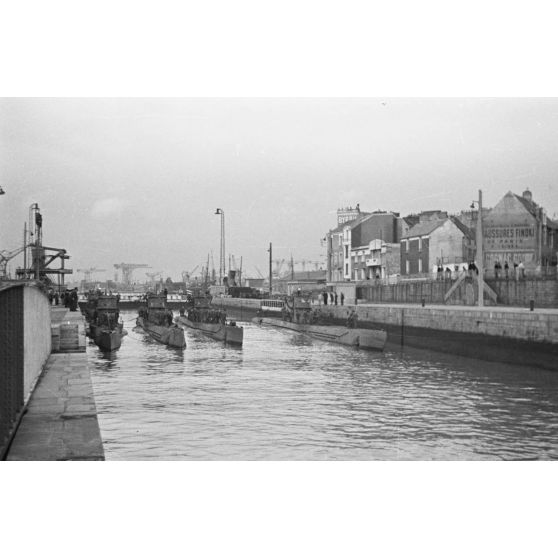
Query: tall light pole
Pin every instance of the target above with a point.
(480, 255)
(270, 269)
(219, 211)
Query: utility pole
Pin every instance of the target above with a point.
(25, 247)
(480, 255)
(219, 211)
(270, 268)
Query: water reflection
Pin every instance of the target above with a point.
(285, 396)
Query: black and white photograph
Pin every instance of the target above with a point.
(281, 279)
(304, 284)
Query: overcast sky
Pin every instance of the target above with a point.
(138, 180)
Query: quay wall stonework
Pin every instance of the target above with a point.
(544, 292)
(520, 325)
(37, 339)
(510, 292)
(519, 337)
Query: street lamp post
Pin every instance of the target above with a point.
(219, 211)
(270, 270)
(480, 255)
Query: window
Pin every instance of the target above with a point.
(346, 252)
(407, 267)
(420, 263)
(420, 244)
(346, 269)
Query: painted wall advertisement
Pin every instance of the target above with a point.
(510, 238)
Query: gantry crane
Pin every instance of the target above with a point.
(87, 273)
(127, 270)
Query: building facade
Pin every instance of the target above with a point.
(430, 244)
(517, 230)
(349, 245)
(337, 245)
(377, 260)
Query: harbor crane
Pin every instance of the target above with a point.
(314, 263)
(127, 270)
(187, 274)
(278, 266)
(87, 273)
(153, 277)
(37, 258)
(5, 257)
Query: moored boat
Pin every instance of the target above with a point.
(297, 315)
(104, 327)
(90, 307)
(211, 322)
(156, 320)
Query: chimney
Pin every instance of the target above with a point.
(527, 195)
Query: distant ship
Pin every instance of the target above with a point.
(298, 315)
(211, 322)
(156, 319)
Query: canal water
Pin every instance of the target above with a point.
(283, 396)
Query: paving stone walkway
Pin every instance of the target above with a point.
(61, 419)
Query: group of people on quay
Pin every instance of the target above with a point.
(518, 270)
(68, 298)
(447, 273)
(500, 271)
(333, 298)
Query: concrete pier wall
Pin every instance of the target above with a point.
(37, 342)
(25, 346)
(513, 335)
(512, 323)
(515, 324)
